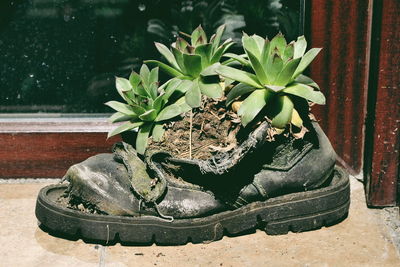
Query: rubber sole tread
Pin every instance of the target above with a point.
(296, 212)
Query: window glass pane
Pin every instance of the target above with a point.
(63, 55)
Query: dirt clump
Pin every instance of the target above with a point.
(76, 203)
(211, 128)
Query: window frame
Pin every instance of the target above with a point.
(46, 145)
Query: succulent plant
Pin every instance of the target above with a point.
(195, 62)
(147, 105)
(276, 80)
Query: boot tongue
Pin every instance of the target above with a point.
(149, 189)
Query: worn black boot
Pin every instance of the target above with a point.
(278, 186)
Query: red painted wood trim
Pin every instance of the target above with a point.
(46, 146)
(383, 179)
(342, 29)
(47, 155)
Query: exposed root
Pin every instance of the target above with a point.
(190, 134)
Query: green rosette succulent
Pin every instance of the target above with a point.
(147, 105)
(196, 62)
(275, 80)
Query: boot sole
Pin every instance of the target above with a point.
(296, 212)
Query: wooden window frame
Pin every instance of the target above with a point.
(45, 145)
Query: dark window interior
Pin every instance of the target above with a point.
(62, 55)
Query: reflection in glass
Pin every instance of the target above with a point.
(63, 55)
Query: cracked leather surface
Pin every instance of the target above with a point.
(293, 166)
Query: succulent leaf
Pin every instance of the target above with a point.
(140, 91)
(210, 70)
(279, 43)
(220, 52)
(124, 127)
(217, 37)
(211, 89)
(183, 105)
(265, 54)
(259, 41)
(284, 108)
(306, 60)
(296, 119)
(153, 90)
(275, 88)
(252, 105)
(182, 45)
(204, 51)
(237, 91)
(193, 95)
(172, 86)
(250, 44)
(274, 67)
(153, 77)
(167, 69)
(123, 86)
(121, 107)
(173, 110)
(134, 79)
(179, 59)
(198, 36)
(138, 109)
(289, 52)
(159, 102)
(285, 76)
(145, 75)
(299, 47)
(258, 68)
(142, 137)
(118, 116)
(167, 54)
(306, 80)
(240, 58)
(184, 86)
(169, 112)
(158, 132)
(192, 64)
(149, 115)
(239, 75)
(306, 92)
